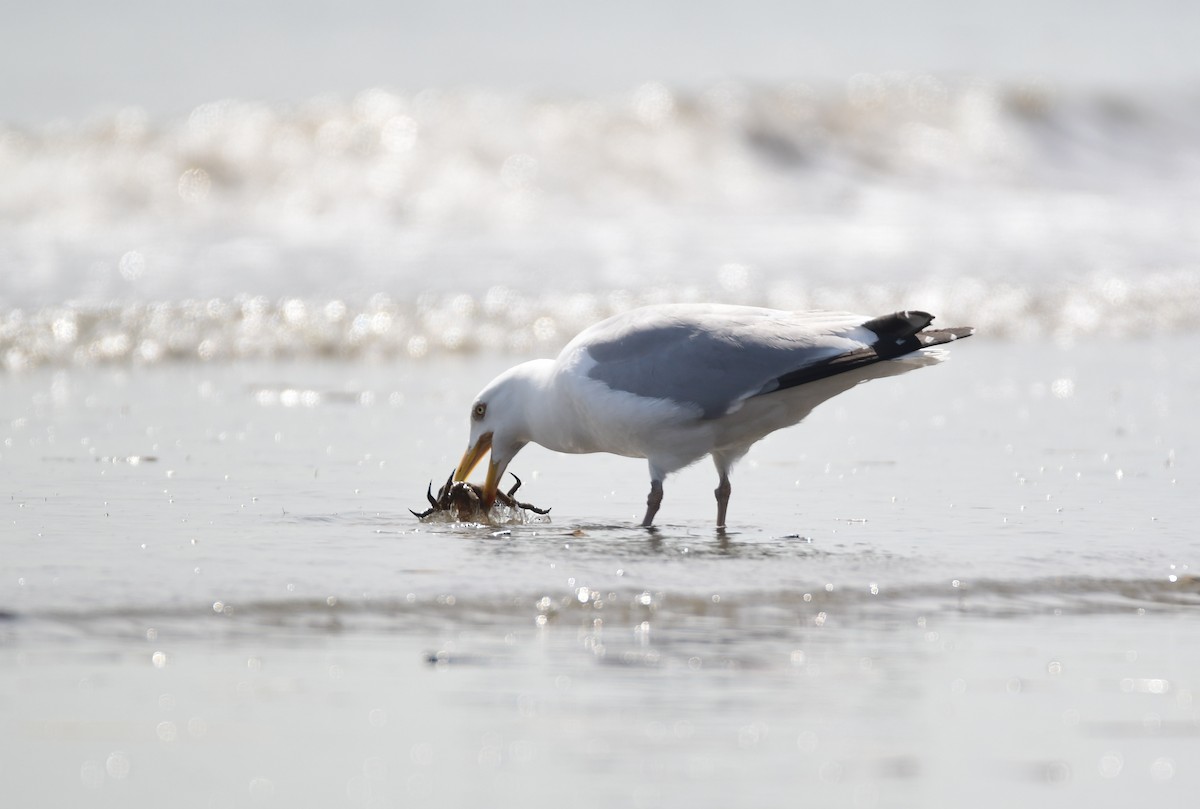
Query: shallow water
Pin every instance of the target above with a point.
(972, 583)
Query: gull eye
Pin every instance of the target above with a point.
(479, 411)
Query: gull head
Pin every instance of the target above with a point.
(499, 424)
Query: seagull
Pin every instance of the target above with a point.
(673, 383)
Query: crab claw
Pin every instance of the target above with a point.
(429, 496)
(516, 485)
(444, 492)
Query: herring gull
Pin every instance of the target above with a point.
(673, 383)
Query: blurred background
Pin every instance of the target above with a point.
(230, 180)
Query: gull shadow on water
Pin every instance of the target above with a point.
(584, 540)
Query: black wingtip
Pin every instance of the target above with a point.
(904, 332)
(899, 333)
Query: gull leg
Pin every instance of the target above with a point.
(653, 501)
(722, 492)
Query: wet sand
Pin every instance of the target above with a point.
(974, 583)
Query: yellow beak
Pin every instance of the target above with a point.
(471, 459)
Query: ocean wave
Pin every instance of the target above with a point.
(446, 152)
(247, 229)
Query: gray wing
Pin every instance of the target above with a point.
(714, 357)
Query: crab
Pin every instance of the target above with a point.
(464, 501)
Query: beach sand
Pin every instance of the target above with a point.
(973, 584)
